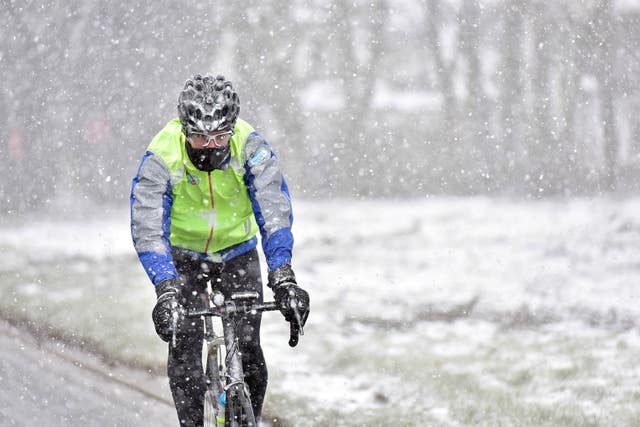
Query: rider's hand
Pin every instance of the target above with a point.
(288, 294)
(167, 307)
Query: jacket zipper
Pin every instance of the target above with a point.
(206, 247)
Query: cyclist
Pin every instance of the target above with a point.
(206, 184)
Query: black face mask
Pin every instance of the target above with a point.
(207, 159)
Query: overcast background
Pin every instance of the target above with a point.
(375, 98)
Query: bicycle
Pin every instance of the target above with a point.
(227, 401)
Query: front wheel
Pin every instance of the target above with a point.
(239, 412)
(214, 411)
(210, 410)
(234, 414)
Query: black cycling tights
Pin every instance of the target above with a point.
(186, 375)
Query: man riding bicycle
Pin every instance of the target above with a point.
(206, 184)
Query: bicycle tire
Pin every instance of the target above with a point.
(210, 410)
(214, 372)
(234, 414)
(239, 412)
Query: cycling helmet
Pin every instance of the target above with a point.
(208, 104)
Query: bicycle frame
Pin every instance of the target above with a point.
(239, 411)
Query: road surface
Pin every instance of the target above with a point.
(49, 384)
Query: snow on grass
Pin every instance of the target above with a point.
(432, 312)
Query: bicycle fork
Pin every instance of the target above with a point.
(214, 369)
(236, 388)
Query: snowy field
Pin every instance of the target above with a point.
(443, 312)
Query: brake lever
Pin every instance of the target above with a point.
(298, 319)
(294, 334)
(295, 327)
(293, 303)
(174, 327)
(176, 314)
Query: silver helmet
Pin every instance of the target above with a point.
(208, 104)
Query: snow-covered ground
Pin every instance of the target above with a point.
(441, 311)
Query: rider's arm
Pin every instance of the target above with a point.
(270, 200)
(151, 203)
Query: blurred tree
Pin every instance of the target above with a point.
(511, 80)
(27, 180)
(604, 42)
(357, 41)
(438, 19)
(475, 116)
(543, 151)
(568, 70)
(628, 71)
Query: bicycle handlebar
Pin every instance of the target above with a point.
(227, 308)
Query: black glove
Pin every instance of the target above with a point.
(286, 292)
(166, 307)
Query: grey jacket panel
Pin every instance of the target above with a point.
(147, 211)
(272, 199)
